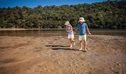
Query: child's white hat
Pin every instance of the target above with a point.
(67, 22)
(81, 19)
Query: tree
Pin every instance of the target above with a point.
(97, 15)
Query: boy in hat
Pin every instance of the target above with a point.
(82, 27)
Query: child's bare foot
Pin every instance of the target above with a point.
(85, 50)
(71, 46)
(80, 49)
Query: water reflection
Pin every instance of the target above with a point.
(58, 33)
(32, 33)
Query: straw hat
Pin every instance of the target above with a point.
(67, 22)
(81, 19)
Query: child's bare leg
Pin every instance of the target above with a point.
(70, 43)
(73, 42)
(80, 45)
(85, 45)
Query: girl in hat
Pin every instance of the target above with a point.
(69, 29)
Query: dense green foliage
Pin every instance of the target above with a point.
(101, 15)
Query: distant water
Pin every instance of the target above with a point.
(58, 33)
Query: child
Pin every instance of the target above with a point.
(69, 29)
(82, 26)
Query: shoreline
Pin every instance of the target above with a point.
(49, 29)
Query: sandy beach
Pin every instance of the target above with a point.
(51, 55)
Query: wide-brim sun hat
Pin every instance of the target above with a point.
(67, 22)
(81, 19)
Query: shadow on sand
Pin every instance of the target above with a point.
(60, 47)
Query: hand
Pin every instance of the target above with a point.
(75, 33)
(89, 33)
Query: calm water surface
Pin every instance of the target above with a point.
(58, 33)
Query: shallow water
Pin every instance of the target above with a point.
(58, 33)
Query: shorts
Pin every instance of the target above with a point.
(82, 37)
(70, 36)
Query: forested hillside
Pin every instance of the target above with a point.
(103, 15)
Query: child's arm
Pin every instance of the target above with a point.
(71, 29)
(66, 30)
(76, 29)
(88, 31)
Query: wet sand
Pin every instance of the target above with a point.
(51, 55)
(5, 29)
